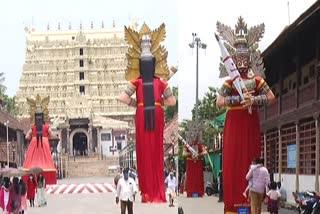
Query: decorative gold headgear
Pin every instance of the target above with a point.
(243, 41)
(134, 52)
(39, 106)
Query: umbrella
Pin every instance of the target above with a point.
(35, 170)
(12, 172)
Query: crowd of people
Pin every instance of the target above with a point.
(15, 192)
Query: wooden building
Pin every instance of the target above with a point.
(290, 127)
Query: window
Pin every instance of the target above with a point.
(308, 147)
(105, 137)
(272, 150)
(81, 51)
(81, 63)
(81, 75)
(119, 146)
(120, 137)
(82, 90)
(311, 71)
(73, 38)
(288, 137)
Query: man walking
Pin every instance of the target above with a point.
(260, 180)
(126, 190)
(171, 187)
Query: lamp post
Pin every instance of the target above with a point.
(6, 124)
(173, 139)
(197, 42)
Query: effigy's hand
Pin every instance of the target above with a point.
(248, 99)
(195, 157)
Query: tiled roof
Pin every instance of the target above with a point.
(14, 123)
(170, 127)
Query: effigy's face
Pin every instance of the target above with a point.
(242, 63)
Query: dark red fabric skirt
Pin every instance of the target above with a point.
(273, 205)
(150, 163)
(241, 145)
(195, 181)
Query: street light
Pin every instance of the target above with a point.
(197, 42)
(6, 124)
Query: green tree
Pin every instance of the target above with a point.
(207, 112)
(171, 111)
(9, 105)
(2, 87)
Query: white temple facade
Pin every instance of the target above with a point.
(83, 73)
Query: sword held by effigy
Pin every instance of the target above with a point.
(194, 152)
(232, 70)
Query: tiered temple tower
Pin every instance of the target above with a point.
(83, 73)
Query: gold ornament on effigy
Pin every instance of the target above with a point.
(39, 106)
(134, 51)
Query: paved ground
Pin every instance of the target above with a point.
(98, 203)
(104, 203)
(209, 205)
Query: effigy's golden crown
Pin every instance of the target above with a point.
(39, 106)
(135, 40)
(243, 41)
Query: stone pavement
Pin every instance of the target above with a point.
(209, 205)
(98, 203)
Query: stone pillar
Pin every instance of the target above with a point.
(98, 141)
(298, 155)
(280, 153)
(90, 143)
(68, 141)
(317, 152)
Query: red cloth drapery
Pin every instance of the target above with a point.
(194, 173)
(149, 146)
(39, 155)
(195, 182)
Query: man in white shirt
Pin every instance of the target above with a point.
(126, 190)
(171, 187)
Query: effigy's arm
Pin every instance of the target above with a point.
(52, 135)
(265, 96)
(29, 135)
(168, 98)
(125, 96)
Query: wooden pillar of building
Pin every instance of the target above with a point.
(317, 73)
(298, 69)
(265, 148)
(280, 87)
(280, 153)
(316, 117)
(298, 155)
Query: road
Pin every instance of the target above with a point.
(209, 205)
(104, 203)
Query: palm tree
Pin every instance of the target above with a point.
(2, 87)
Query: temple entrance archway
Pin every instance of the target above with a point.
(79, 142)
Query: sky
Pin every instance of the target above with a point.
(16, 14)
(201, 18)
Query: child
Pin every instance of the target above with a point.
(252, 166)
(274, 196)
